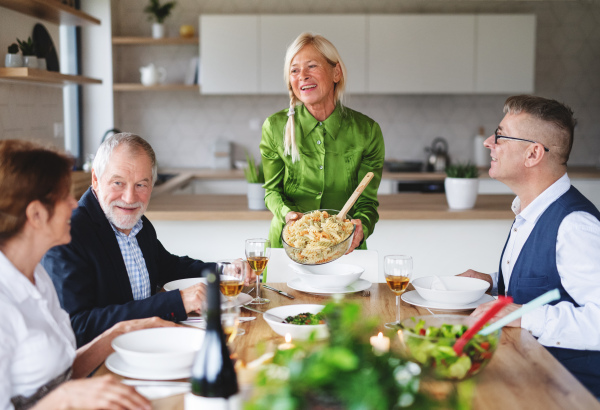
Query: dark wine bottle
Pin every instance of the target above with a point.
(214, 382)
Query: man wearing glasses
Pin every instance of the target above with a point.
(554, 241)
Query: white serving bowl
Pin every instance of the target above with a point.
(459, 290)
(163, 348)
(332, 275)
(298, 332)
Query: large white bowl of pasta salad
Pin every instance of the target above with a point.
(318, 237)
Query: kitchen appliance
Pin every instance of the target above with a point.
(437, 155)
(481, 154)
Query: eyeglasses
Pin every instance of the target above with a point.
(496, 137)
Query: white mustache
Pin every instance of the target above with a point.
(122, 204)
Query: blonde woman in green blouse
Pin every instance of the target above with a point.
(316, 152)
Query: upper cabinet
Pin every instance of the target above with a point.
(384, 54)
(505, 54)
(346, 32)
(421, 54)
(229, 54)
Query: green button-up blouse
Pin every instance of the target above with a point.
(335, 155)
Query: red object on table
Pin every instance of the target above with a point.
(495, 308)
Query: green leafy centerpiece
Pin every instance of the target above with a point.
(343, 373)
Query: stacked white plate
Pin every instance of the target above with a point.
(328, 279)
(163, 353)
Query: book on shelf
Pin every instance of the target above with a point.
(191, 74)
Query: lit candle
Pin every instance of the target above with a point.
(380, 343)
(288, 343)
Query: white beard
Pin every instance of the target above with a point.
(122, 221)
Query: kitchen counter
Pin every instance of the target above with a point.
(392, 207)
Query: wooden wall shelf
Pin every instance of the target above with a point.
(50, 10)
(149, 41)
(161, 87)
(42, 76)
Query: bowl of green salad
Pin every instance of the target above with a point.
(429, 341)
(300, 321)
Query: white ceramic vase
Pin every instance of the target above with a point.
(158, 30)
(13, 60)
(30, 61)
(461, 193)
(256, 197)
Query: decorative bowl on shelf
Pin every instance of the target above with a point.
(311, 253)
(429, 341)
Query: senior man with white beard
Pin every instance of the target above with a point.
(115, 264)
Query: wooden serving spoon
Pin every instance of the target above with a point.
(359, 189)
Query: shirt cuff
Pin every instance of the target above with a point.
(494, 290)
(534, 321)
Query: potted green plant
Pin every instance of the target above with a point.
(256, 179)
(461, 185)
(13, 59)
(158, 13)
(28, 50)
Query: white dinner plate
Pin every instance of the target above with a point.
(241, 299)
(358, 286)
(414, 298)
(117, 365)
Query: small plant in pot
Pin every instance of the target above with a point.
(13, 58)
(158, 13)
(461, 185)
(28, 50)
(256, 178)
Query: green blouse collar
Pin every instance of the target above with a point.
(332, 124)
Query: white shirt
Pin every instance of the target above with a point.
(578, 263)
(36, 339)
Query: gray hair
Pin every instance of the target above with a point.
(133, 142)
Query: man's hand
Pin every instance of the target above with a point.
(478, 275)
(358, 235)
(193, 297)
(481, 309)
(293, 216)
(240, 267)
(137, 324)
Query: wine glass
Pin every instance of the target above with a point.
(258, 251)
(230, 321)
(398, 271)
(232, 277)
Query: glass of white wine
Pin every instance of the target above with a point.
(233, 276)
(258, 251)
(398, 271)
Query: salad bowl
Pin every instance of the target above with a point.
(296, 331)
(429, 341)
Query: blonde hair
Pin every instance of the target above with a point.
(331, 55)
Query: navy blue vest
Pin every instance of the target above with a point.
(535, 273)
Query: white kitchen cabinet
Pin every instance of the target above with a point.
(229, 54)
(505, 54)
(346, 32)
(421, 54)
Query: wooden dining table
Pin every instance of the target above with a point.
(521, 375)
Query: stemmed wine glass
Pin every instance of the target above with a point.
(258, 251)
(230, 321)
(398, 271)
(232, 278)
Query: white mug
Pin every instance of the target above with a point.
(151, 75)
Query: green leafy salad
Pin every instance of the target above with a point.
(434, 349)
(306, 319)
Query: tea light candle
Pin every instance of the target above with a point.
(288, 343)
(380, 343)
